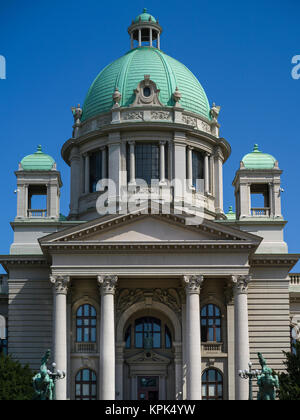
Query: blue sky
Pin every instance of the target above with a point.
(240, 51)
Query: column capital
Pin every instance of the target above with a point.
(60, 283)
(162, 142)
(131, 142)
(107, 284)
(193, 283)
(240, 283)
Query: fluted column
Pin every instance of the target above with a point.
(193, 338)
(107, 337)
(60, 290)
(241, 333)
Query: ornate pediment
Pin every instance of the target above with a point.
(140, 231)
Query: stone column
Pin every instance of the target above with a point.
(206, 173)
(219, 181)
(60, 289)
(119, 370)
(193, 338)
(151, 37)
(190, 166)
(158, 40)
(107, 337)
(140, 37)
(242, 352)
(75, 181)
(178, 370)
(87, 174)
(162, 161)
(132, 161)
(211, 175)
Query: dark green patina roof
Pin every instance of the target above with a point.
(129, 70)
(258, 160)
(39, 161)
(144, 17)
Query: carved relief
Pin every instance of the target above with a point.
(186, 119)
(193, 283)
(203, 126)
(125, 298)
(107, 284)
(240, 283)
(60, 284)
(160, 115)
(133, 115)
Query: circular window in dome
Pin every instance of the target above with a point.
(147, 92)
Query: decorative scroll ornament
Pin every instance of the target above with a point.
(240, 283)
(107, 284)
(146, 93)
(193, 283)
(61, 284)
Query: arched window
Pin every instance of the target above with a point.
(212, 385)
(86, 324)
(210, 323)
(148, 333)
(86, 385)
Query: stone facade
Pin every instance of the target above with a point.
(139, 302)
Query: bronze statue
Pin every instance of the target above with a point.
(266, 381)
(43, 384)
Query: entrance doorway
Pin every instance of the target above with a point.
(148, 388)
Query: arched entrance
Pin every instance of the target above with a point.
(149, 365)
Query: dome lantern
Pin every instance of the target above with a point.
(145, 31)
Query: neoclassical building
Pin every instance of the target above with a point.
(148, 289)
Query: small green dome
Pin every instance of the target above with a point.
(129, 70)
(39, 161)
(258, 160)
(144, 17)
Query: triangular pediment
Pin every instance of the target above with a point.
(140, 228)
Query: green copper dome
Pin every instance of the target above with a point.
(39, 161)
(128, 71)
(258, 160)
(144, 17)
